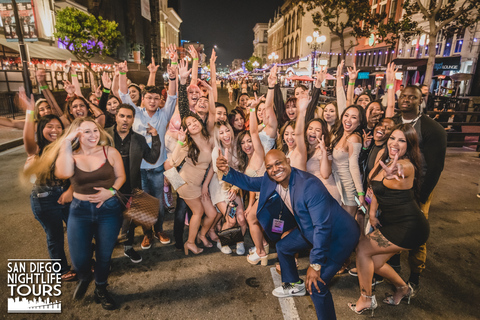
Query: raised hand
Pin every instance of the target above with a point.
(106, 81)
(192, 51)
(183, 71)
(172, 52)
(172, 71)
(390, 73)
(205, 84)
(321, 75)
(24, 102)
(302, 104)
(40, 74)
(69, 88)
(255, 102)
(97, 91)
(213, 58)
(321, 144)
(152, 67)
(122, 67)
(74, 134)
(340, 69)
(272, 78)
(367, 139)
(394, 171)
(182, 134)
(352, 73)
(222, 162)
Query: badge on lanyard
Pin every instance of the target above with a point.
(277, 225)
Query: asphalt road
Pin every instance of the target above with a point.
(169, 285)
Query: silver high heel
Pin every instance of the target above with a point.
(373, 305)
(391, 301)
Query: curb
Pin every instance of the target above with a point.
(11, 144)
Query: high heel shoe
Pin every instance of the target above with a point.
(390, 300)
(204, 240)
(373, 305)
(254, 259)
(192, 247)
(266, 247)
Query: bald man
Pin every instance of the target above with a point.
(294, 199)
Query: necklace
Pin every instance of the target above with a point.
(412, 122)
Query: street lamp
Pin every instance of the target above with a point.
(255, 64)
(315, 41)
(273, 56)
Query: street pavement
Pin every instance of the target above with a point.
(169, 285)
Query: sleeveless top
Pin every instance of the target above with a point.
(83, 182)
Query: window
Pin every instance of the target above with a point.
(299, 19)
(383, 8)
(448, 47)
(438, 48)
(412, 51)
(393, 9)
(458, 46)
(265, 36)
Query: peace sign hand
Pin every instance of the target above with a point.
(395, 171)
(367, 139)
(321, 144)
(352, 73)
(182, 134)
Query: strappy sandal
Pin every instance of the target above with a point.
(69, 276)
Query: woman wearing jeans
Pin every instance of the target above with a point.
(96, 172)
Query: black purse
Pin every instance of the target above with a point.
(230, 236)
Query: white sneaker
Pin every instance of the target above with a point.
(240, 248)
(224, 249)
(290, 290)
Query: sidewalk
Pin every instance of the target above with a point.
(10, 138)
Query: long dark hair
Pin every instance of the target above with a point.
(241, 155)
(68, 105)
(325, 133)
(231, 120)
(193, 150)
(42, 123)
(338, 133)
(281, 145)
(412, 153)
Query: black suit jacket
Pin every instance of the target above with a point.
(139, 150)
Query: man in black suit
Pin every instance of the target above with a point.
(133, 148)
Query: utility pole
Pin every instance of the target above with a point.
(22, 50)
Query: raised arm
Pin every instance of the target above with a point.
(47, 94)
(152, 68)
(316, 92)
(341, 97)
(183, 73)
(122, 78)
(302, 105)
(213, 74)
(257, 143)
(269, 117)
(390, 77)
(211, 108)
(278, 103)
(31, 146)
(107, 84)
(115, 81)
(352, 76)
(64, 165)
(172, 70)
(326, 162)
(74, 76)
(238, 179)
(194, 54)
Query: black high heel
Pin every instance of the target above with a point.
(372, 307)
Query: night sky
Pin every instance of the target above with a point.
(225, 23)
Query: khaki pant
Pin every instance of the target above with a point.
(417, 257)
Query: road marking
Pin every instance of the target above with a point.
(287, 304)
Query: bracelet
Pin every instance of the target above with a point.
(172, 79)
(106, 90)
(113, 191)
(122, 73)
(74, 75)
(351, 83)
(361, 194)
(174, 63)
(30, 115)
(43, 87)
(271, 88)
(252, 109)
(195, 59)
(98, 98)
(180, 143)
(389, 86)
(263, 125)
(363, 148)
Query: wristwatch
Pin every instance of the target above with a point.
(315, 266)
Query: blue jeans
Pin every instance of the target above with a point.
(85, 222)
(152, 183)
(286, 249)
(51, 216)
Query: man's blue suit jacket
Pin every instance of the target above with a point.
(332, 232)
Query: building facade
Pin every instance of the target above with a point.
(275, 39)
(260, 41)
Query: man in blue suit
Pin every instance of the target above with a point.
(294, 199)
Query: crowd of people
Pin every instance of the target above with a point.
(352, 178)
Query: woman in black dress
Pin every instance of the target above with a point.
(401, 225)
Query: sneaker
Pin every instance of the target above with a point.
(240, 248)
(162, 236)
(224, 249)
(133, 255)
(147, 242)
(290, 290)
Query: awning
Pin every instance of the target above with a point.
(39, 51)
(441, 64)
(410, 64)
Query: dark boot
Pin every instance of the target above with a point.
(101, 295)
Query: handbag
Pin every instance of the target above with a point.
(140, 207)
(230, 236)
(174, 177)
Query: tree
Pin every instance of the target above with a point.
(249, 65)
(344, 18)
(84, 35)
(448, 17)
